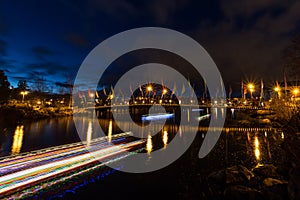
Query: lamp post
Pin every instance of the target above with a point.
(251, 89)
(149, 90)
(278, 89)
(23, 93)
(165, 91)
(296, 92)
(91, 95)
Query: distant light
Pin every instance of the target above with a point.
(296, 91)
(165, 91)
(149, 88)
(277, 89)
(251, 86)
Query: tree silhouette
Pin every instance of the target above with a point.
(4, 87)
(22, 85)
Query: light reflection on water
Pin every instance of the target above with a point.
(17, 140)
(165, 138)
(89, 134)
(109, 135)
(256, 148)
(260, 145)
(149, 145)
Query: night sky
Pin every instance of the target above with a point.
(50, 39)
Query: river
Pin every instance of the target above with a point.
(246, 146)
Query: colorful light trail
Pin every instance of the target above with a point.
(23, 171)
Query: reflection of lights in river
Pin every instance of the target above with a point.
(165, 138)
(222, 112)
(282, 135)
(216, 113)
(89, 134)
(232, 112)
(109, 135)
(180, 132)
(248, 137)
(149, 145)
(256, 148)
(18, 139)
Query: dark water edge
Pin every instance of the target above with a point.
(192, 178)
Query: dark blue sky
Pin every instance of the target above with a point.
(50, 39)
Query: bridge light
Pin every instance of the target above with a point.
(296, 91)
(250, 86)
(277, 89)
(149, 88)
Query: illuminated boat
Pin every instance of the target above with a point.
(157, 116)
(203, 117)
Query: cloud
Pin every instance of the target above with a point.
(92, 8)
(42, 52)
(255, 46)
(284, 23)
(48, 68)
(3, 47)
(63, 84)
(114, 8)
(77, 40)
(163, 11)
(233, 9)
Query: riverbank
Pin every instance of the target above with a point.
(253, 118)
(17, 113)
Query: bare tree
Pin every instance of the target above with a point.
(40, 85)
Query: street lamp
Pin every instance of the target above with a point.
(296, 91)
(23, 93)
(165, 91)
(277, 89)
(92, 95)
(251, 88)
(149, 88)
